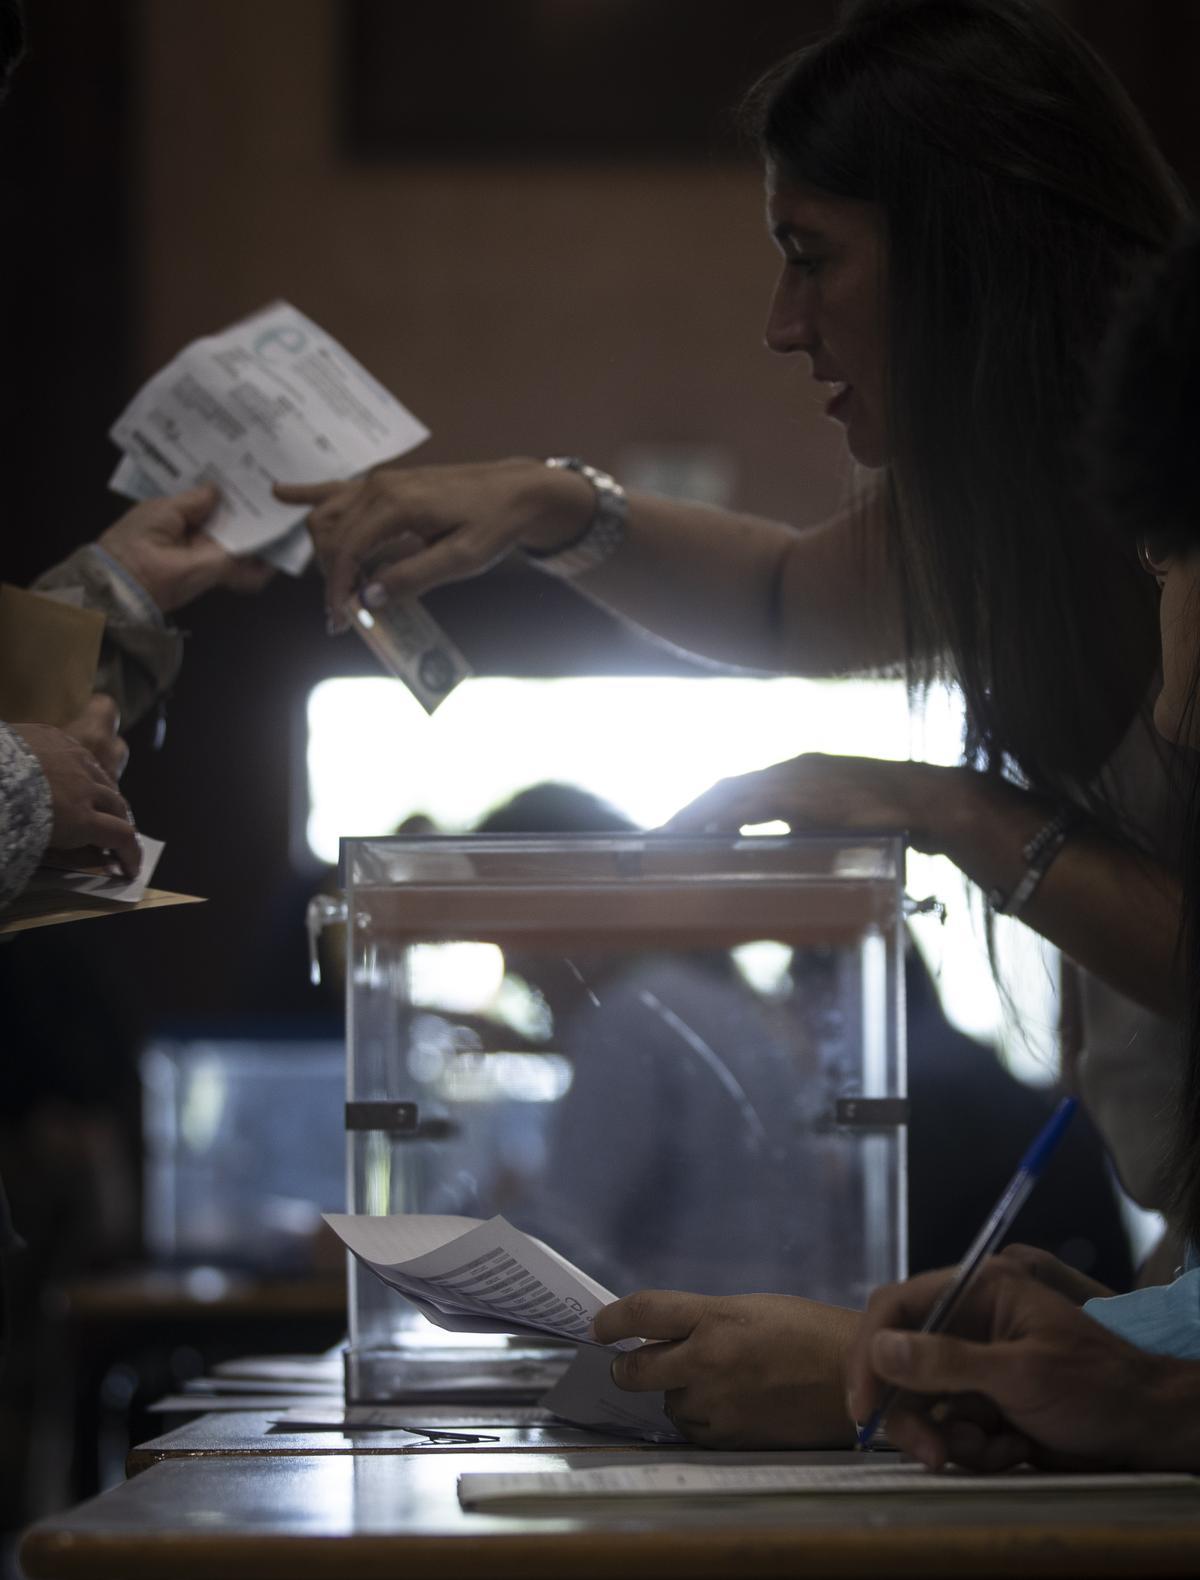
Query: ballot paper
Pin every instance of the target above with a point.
(472, 1276)
(864, 1475)
(97, 881)
(59, 892)
(271, 399)
(587, 1395)
(275, 399)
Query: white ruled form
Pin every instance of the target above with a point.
(867, 1476)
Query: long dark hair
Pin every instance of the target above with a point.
(1141, 447)
(1020, 191)
(12, 40)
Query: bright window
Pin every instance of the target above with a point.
(649, 745)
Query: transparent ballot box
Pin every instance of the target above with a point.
(678, 1061)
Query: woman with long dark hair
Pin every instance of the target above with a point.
(1026, 1374)
(959, 189)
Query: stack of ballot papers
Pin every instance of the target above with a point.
(472, 1276)
(865, 1475)
(270, 399)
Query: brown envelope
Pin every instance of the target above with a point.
(48, 656)
(45, 908)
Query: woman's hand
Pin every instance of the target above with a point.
(1025, 1376)
(397, 532)
(816, 791)
(161, 543)
(738, 1371)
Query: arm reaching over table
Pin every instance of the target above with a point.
(725, 585)
(738, 1371)
(1104, 902)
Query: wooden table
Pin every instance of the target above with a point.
(231, 1516)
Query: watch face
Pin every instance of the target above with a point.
(436, 671)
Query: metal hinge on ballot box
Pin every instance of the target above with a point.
(394, 1119)
(400, 1121)
(871, 1113)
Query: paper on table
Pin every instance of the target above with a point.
(398, 1417)
(476, 1277)
(344, 1418)
(864, 1476)
(297, 1419)
(272, 398)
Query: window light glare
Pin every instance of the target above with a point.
(460, 977)
(650, 745)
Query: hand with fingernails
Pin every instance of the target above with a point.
(398, 531)
(821, 791)
(1025, 1376)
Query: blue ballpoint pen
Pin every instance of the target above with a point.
(985, 1242)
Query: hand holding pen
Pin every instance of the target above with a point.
(997, 1225)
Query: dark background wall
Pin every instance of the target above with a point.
(165, 168)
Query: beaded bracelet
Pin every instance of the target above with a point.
(1038, 855)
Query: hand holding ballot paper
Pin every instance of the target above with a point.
(274, 399)
(204, 442)
(270, 398)
(475, 1277)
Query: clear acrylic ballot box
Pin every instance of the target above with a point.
(680, 1062)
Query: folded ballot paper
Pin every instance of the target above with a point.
(472, 1276)
(273, 398)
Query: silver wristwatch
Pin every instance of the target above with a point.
(604, 533)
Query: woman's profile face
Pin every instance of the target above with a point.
(1177, 711)
(828, 304)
